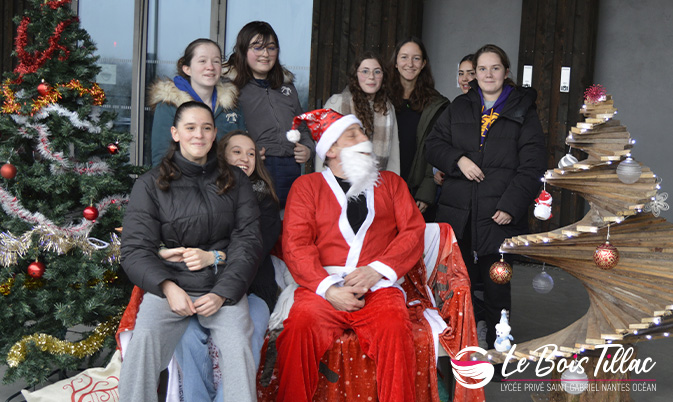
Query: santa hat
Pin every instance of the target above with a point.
(326, 127)
(544, 198)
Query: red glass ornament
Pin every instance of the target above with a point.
(606, 256)
(90, 213)
(113, 148)
(43, 88)
(36, 269)
(8, 171)
(500, 272)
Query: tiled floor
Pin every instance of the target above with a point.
(534, 315)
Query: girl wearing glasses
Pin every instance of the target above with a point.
(417, 107)
(366, 97)
(269, 102)
(197, 79)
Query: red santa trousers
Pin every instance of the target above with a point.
(382, 326)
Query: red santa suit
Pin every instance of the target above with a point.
(317, 234)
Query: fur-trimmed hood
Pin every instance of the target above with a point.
(229, 73)
(165, 91)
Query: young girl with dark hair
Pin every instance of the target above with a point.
(417, 106)
(366, 97)
(237, 149)
(466, 72)
(204, 214)
(269, 101)
(197, 79)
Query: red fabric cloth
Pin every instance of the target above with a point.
(354, 372)
(451, 284)
(128, 321)
(384, 332)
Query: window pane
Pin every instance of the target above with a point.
(110, 24)
(172, 25)
(291, 20)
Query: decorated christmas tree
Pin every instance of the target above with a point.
(65, 176)
(620, 251)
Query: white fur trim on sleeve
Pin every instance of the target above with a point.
(326, 283)
(387, 272)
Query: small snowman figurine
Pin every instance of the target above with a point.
(543, 206)
(502, 330)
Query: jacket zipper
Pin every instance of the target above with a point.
(275, 116)
(204, 193)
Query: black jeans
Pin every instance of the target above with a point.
(496, 297)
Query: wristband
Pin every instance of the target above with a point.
(217, 259)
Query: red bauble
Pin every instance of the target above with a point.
(90, 213)
(43, 88)
(113, 148)
(8, 171)
(500, 272)
(36, 269)
(606, 256)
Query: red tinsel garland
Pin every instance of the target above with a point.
(30, 63)
(54, 4)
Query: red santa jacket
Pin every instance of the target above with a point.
(316, 232)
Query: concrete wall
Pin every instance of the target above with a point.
(634, 62)
(452, 29)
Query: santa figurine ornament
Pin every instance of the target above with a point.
(543, 205)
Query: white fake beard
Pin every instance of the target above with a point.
(359, 164)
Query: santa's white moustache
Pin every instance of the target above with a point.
(360, 166)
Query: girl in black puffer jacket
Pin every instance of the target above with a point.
(208, 219)
(490, 144)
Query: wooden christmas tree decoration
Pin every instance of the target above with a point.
(634, 300)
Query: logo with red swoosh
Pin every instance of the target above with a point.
(474, 370)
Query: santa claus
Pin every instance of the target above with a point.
(349, 233)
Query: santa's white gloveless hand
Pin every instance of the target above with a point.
(343, 298)
(364, 277)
